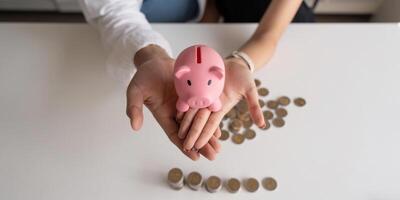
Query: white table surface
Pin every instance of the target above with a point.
(64, 133)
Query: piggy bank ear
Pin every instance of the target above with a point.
(217, 72)
(182, 71)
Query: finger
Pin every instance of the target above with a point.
(208, 152)
(217, 133)
(197, 126)
(186, 122)
(209, 129)
(179, 116)
(215, 143)
(170, 127)
(134, 108)
(254, 107)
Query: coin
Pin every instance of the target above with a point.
(233, 185)
(281, 112)
(278, 122)
(235, 125)
(237, 138)
(267, 125)
(251, 184)
(224, 135)
(269, 183)
(248, 123)
(194, 180)
(284, 100)
(213, 184)
(272, 104)
(268, 114)
(175, 178)
(249, 134)
(263, 92)
(231, 114)
(261, 102)
(241, 106)
(244, 117)
(257, 82)
(299, 102)
(221, 125)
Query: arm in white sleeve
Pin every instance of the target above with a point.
(124, 30)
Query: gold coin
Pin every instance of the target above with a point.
(272, 104)
(267, 125)
(237, 138)
(249, 134)
(270, 184)
(263, 92)
(278, 122)
(194, 180)
(299, 102)
(233, 185)
(251, 185)
(248, 123)
(268, 115)
(175, 175)
(284, 100)
(224, 135)
(281, 112)
(244, 116)
(261, 102)
(257, 82)
(213, 184)
(235, 125)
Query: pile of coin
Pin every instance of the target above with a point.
(194, 181)
(239, 120)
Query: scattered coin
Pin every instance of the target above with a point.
(213, 184)
(233, 185)
(267, 125)
(224, 135)
(249, 134)
(261, 102)
(263, 92)
(284, 100)
(278, 122)
(299, 102)
(251, 185)
(241, 106)
(235, 125)
(244, 117)
(257, 82)
(281, 112)
(268, 115)
(272, 104)
(269, 183)
(175, 178)
(248, 123)
(237, 138)
(194, 180)
(231, 114)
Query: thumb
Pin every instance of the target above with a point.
(134, 107)
(254, 107)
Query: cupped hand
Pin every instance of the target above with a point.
(197, 126)
(153, 86)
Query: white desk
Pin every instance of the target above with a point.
(64, 134)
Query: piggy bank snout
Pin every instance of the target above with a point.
(198, 102)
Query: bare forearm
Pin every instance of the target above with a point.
(261, 46)
(211, 13)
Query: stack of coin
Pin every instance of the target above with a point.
(175, 178)
(194, 180)
(233, 185)
(213, 184)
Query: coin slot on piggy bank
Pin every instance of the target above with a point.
(199, 78)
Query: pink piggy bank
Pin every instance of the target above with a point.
(199, 78)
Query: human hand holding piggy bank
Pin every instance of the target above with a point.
(199, 78)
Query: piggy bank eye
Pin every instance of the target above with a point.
(189, 83)
(209, 82)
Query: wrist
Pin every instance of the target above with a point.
(149, 52)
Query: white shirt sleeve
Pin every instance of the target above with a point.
(124, 30)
